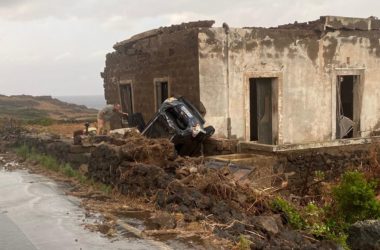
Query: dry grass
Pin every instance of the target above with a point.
(63, 129)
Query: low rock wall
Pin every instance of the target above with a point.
(297, 169)
(62, 149)
(304, 167)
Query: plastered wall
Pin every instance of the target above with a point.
(305, 62)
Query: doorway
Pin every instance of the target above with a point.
(345, 112)
(261, 110)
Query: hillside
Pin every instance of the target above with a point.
(26, 107)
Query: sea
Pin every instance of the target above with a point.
(90, 101)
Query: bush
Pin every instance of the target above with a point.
(321, 224)
(53, 164)
(244, 243)
(48, 162)
(68, 170)
(23, 151)
(45, 121)
(292, 215)
(354, 198)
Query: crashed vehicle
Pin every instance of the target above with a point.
(180, 122)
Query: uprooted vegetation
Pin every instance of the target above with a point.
(150, 169)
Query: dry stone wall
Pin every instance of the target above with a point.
(61, 149)
(300, 169)
(151, 160)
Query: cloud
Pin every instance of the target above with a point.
(58, 46)
(63, 56)
(123, 14)
(10, 3)
(99, 53)
(180, 17)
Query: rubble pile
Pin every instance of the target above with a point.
(109, 161)
(203, 196)
(150, 168)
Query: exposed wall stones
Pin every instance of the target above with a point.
(298, 169)
(214, 146)
(63, 150)
(302, 167)
(170, 53)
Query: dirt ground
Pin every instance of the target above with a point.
(63, 129)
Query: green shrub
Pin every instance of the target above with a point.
(68, 170)
(81, 178)
(293, 216)
(23, 151)
(53, 164)
(319, 175)
(45, 121)
(49, 162)
(354, 198)
(244, 243)
(313, 217)
(105, 188)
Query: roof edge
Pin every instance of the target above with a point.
(167, 29)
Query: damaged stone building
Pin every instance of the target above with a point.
(297, 83)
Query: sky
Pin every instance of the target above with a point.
(58, 47)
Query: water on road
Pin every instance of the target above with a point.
(36, 214)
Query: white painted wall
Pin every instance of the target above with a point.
(307, 67)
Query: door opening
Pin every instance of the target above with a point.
(345, 106)
(261, 114)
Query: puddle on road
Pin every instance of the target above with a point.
(48, 218)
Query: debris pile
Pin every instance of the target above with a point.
(195, 194)
(150, 168)
(109, 161)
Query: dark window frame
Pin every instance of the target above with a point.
(123, 104)
(161, 91)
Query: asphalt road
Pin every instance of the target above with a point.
(36, 214)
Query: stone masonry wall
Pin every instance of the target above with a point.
(167, 53)
(300, 169)
(61, 149)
